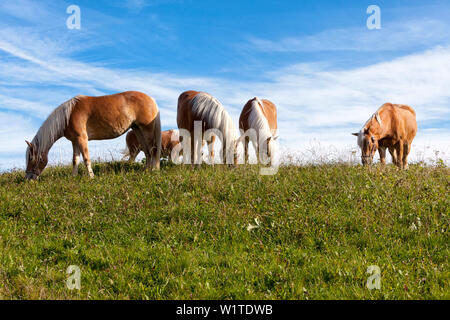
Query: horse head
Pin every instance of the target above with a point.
(368, 144)
(35, 161)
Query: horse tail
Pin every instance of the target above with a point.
(130, 146)
(125, 153)
(157, 136)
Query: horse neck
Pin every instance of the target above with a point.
(54, 126)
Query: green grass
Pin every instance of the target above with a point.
(182, 233)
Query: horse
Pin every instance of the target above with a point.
(85, 118)
(200, 106)
(169, 140)
(261, 116)
(393, 126)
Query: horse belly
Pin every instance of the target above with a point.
(108, 128)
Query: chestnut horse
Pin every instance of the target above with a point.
(200, 106)
(84, 118)
(261, 116)
(169, 139)
(393, 126)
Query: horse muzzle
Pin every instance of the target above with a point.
(366, 160)
(31, 176)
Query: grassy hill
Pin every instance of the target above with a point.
(217, 233)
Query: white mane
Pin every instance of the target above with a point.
(53, 128)
(258, 121)
(212, 112)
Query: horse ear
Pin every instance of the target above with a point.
(29, 144)
(355, 134)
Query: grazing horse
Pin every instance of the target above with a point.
(200, 106)
(393, 126)
(84, 118)
(261, 116)
(169, 140)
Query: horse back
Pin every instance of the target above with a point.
(109, 116)
(270, 112)
(268, 109)
(408, 117)
(130, 103)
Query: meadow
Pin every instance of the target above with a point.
(308, 232)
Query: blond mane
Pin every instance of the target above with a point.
(212, 112)
(258, 121)
(53, 127)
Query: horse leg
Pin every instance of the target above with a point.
(133, 154)
(83, 144)
(393, 153)
(156, 142)
(76, 158)
(198, 156)
(149, 136)
(246, 142)
(224, 154)
(154, 148)
(144, 145)
(400, 154)
(382, 152)
(156, 155)
(211, 149)
(405, 155)
(257, 154)
(133, 149)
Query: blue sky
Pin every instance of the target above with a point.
(317, 60)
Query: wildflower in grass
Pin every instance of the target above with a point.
(250, 226)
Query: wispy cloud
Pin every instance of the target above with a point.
(393, 36)
(138, 5)
(25, 10)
